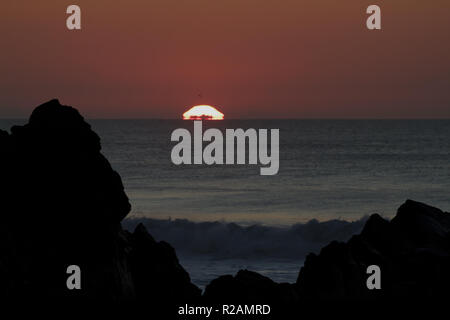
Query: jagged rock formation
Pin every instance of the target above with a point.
(412, 250)
(157, 274)
(61, 205)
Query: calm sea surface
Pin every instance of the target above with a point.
(328, 169)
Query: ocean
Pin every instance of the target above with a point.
(333, 174)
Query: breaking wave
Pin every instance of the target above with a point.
(223, 240)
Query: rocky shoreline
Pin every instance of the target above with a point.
(63, 204)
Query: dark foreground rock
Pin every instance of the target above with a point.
(412, 251)
(249, 287)
(62, 204)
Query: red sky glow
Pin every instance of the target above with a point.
(255, 59)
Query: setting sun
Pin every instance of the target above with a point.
(203, 112)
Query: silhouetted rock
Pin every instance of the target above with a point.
(3, 134)
(412, 250)
(61, 205)
(155, 265)
(249, 287)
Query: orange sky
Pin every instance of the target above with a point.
(252, 59)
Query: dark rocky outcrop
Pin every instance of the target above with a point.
(412, 250)
(155, 265)
(62, 204)
(248, 287)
